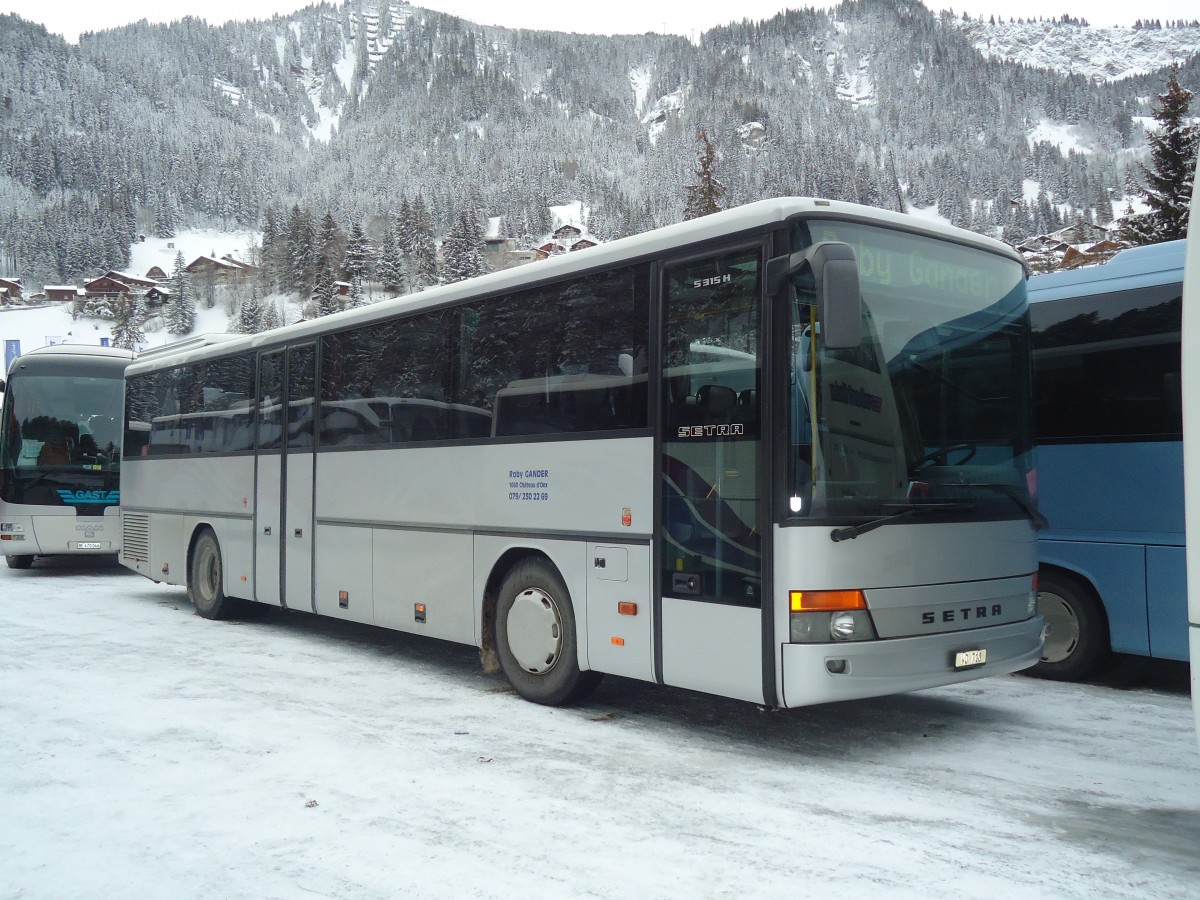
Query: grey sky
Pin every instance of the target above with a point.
(685, 17)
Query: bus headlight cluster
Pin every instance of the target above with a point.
(822, 617)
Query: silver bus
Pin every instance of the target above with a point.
(781, 453)
(60, 453)
(1191, 435)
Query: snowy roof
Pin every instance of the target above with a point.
(128, 277)
(225, 262)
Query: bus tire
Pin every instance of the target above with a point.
(205, 579)
(24, 561)
(1077, 644)
(536, 638)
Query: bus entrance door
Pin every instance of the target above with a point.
(298, 458)
(710, 545)
(284, 531)
(268, 576)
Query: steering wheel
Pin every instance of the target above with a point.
(943, 452)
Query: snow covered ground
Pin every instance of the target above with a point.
(146, 752)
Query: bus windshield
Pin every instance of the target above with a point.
(932, 412)
(60, 440)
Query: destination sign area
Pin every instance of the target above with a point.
(906, 264)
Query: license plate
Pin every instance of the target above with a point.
(966, 658)
(93, 545)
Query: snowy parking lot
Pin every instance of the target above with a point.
(146, 752)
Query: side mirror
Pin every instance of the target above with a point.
(839, 299)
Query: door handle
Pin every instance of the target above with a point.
(299, 532)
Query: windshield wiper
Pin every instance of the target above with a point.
(1039, 521)
(905, 510)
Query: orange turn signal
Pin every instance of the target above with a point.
(826, 601)
(627, 608)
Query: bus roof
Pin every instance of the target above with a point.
(192, 342)
(89, 352)
(760, 215)
(1132, 268)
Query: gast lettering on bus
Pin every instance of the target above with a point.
(74, 497)
(962, 615)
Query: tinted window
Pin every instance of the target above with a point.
(565, 358)
(1108, 366)
(301, 394)
(394, 382)
(559, 359)
(270, 392)
(203, 408)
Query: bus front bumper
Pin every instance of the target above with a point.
(823, 673)
(48, 535)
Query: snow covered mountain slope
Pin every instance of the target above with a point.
(1101, 54)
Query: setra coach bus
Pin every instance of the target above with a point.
(781, 453)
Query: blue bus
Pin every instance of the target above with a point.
(1109, 401)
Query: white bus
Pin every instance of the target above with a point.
(780, 453)
(1191, 435)
(60, 451)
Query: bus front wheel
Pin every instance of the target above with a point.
(205, 584)
(536, 638)
(23, 561)
(1076, 629)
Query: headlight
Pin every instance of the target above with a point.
(822, 617)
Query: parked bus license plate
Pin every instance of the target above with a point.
(89, 545)
(965, 658)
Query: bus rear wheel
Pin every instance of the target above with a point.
(1077, 644)
(205, 584)
(23, 561)
(536, 638)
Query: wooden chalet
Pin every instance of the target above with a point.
(1079, 233)
(158, 295)
(221, 270)
(10, 289)
(135, 282)
(113, 284)
(157, 274)
(1104, 248)
(62, 293)
(582, 244)
(567, 233)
